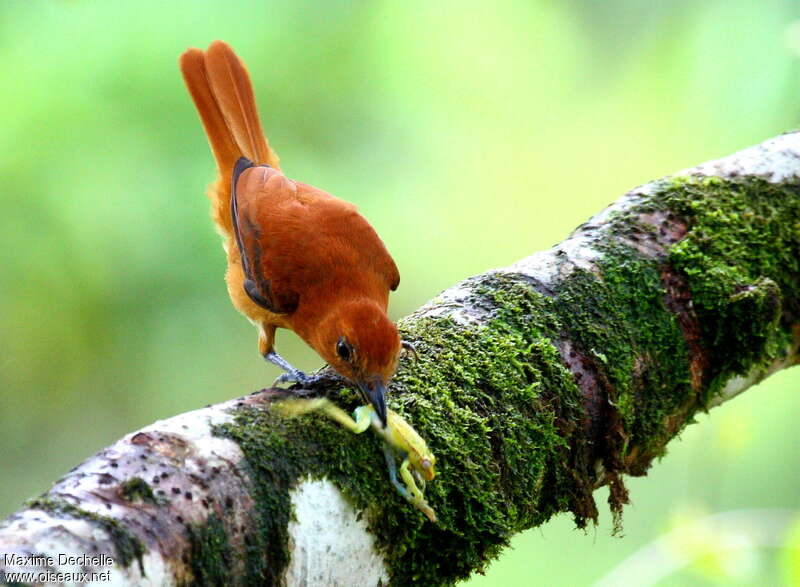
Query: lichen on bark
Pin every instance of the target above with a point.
(137, 489)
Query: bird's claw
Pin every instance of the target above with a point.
(302, 379)
(410, 349)
(291, 377)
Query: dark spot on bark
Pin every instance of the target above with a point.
(141, 438)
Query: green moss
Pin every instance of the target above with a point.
(621, 313)
(741, 256)
(211, 554)
(740, 260)
(128, 546)
(137, 489)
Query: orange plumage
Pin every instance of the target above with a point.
(298, 257)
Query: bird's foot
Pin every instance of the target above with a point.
(300, 378)
(296, 376)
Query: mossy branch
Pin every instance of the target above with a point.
(535, 384)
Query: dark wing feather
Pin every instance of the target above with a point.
(392, 273)
(257, 286)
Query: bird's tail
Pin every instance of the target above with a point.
(220, 87)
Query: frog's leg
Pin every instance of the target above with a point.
(419, 480)
(419, 499)
(363, 415)
(293, 407)
(337, 414)
(411, 492)
(411, 484)
(392, 465)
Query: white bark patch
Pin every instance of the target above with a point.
(329, 542)
(451, 303)
(195, 428)
(776, 160)
(559, 262)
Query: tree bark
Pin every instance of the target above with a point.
(535, 384)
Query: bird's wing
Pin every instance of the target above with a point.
(296, 238)
(342, 245)
(259, 283)
(389, 269)
(369, 247)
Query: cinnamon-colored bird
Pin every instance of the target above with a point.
(298, 257)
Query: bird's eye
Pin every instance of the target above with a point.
(344, 350)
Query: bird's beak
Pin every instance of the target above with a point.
(375, 395)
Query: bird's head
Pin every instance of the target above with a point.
(362, 344)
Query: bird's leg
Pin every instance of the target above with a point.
(266, 341)
(292, 375)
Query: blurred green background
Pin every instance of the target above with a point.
(470, 134)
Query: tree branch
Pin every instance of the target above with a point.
(535, 384)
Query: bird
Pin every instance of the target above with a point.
(298, 257)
